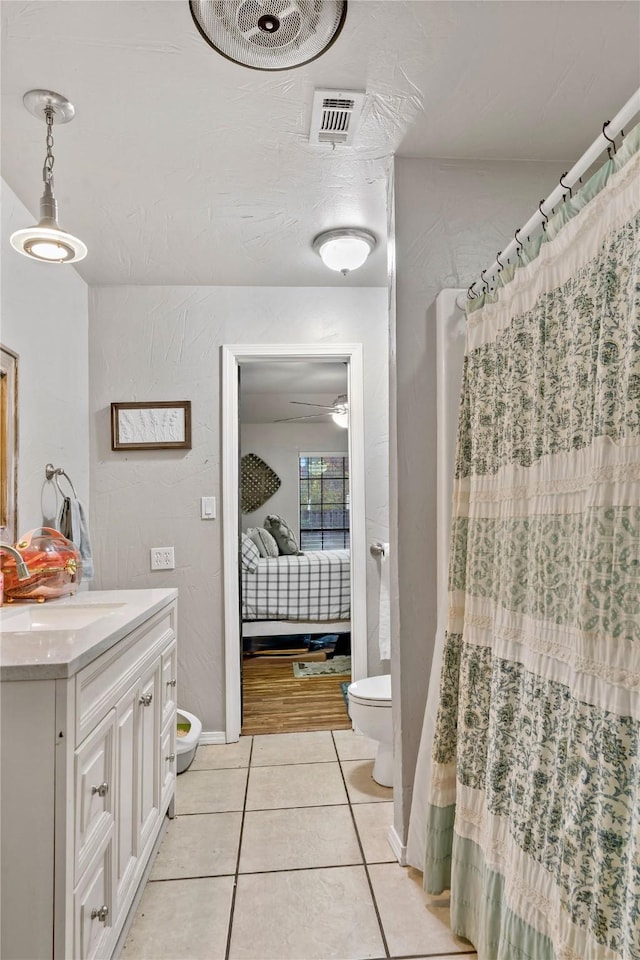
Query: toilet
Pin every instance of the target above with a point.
(188, 735)
(370, 711)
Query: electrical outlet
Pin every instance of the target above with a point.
(162, 558)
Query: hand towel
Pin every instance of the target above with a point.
(73, 525)
(384, 620)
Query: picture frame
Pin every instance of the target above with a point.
(151, 425)
(8, 445)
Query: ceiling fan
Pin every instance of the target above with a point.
(339, 410)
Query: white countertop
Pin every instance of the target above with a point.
(56, 639)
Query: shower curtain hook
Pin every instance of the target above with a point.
(546, 218)
(498, 261)
(606, 124)
(565, 186)
(470, 295)
(487, 288)
(518, 241)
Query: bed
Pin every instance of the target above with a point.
(309, 593)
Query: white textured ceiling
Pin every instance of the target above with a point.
(273, 389)
(184, 168)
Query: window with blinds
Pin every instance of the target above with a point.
(324, 501)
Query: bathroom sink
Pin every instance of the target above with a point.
(41, 616)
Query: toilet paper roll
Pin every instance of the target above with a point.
(384, 618)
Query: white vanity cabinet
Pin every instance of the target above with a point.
(88, 775)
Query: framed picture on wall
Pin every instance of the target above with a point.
(161, 425)
(8, 445)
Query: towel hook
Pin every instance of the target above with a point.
(54, 473)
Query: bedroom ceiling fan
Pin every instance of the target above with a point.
(338, 410)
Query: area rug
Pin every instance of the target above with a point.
(337, 665)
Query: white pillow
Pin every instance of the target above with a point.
(263, 541)
(282, 534)
(249, 553)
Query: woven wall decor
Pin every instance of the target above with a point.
(258, 482)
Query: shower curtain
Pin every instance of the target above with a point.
(533, 806)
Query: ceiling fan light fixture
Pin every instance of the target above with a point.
(340, 419)
(269, 34)
(340, 415)
(344, 249)
(46, 241)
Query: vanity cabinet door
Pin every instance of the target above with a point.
(148, 759)
(93, 908)
(168, 762)
(126, 840)
(169, 682)
(94, 779)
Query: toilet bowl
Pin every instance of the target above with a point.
(188, 735)
(370, 711)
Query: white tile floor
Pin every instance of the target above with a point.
(279, 852)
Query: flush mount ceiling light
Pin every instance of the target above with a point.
(344, 249)
(47, 241)
(269, 34)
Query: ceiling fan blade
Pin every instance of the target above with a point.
(302, 403)
(312, 416)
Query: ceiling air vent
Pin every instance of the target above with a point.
(335, 116)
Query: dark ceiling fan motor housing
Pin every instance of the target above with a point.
(269, 34)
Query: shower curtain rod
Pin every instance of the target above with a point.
(567, 180)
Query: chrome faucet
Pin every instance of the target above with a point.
(21, 567)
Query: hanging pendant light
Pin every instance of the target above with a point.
(47, 241)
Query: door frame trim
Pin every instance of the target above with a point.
(232, 355)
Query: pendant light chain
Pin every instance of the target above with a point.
(47, 170)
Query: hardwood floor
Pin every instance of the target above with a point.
(274, 701)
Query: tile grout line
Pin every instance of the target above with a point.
(364, 859)
(266, 766)
(237, 870)
(236, 874)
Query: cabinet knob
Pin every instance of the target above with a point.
(171, 757)
(171, 683)
(146, 699)
(100, 913)
(102, 790)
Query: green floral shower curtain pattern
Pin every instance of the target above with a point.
(534, 807)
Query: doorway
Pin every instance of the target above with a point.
(246, 358)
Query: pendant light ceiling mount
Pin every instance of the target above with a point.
(41, 103)
(47, 241)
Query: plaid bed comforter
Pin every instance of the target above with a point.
(315, 586)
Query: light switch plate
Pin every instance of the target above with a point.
(207, 508)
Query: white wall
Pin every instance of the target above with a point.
(451, 217)
(45, 321)
(163, 343)
(279, 445)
